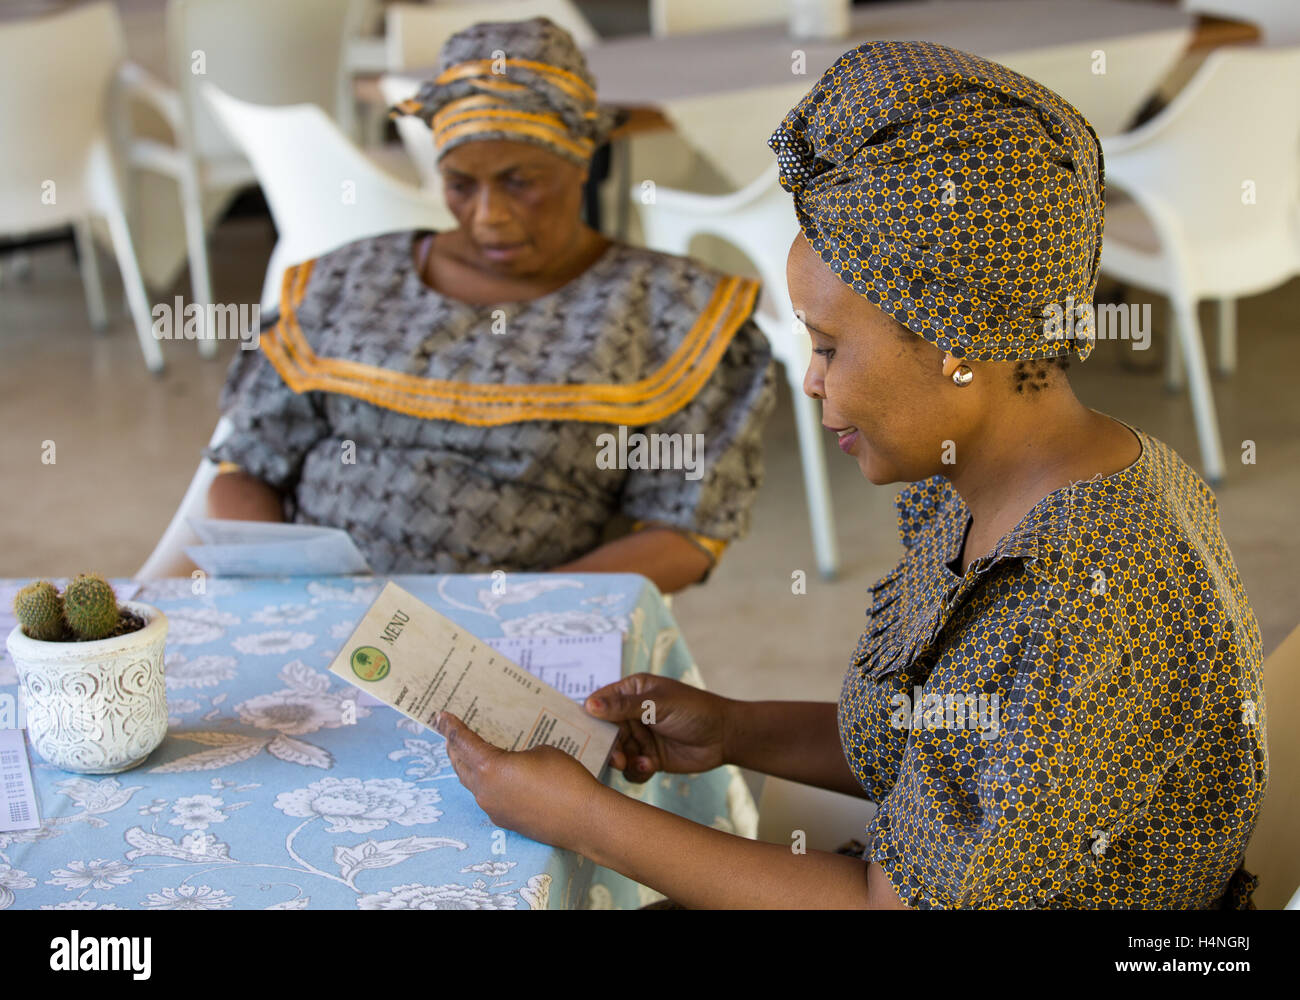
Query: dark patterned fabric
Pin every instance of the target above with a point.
(1118, 756)
(437, 496)
(959, 197)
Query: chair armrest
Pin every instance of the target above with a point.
(140, 83)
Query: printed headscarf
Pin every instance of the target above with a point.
(517, 80)
(961, 198)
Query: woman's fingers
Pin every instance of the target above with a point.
(620, 700)
(647, 760)
(632, 752)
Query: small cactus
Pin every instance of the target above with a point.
(90, 606)
(39, 610)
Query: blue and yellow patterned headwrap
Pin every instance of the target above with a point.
(524, 81)
(961, 198)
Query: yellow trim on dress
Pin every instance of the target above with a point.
(645, 401)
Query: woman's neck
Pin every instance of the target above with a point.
(1011, 464)
(451, 263)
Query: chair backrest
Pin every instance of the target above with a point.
(1224, 158)
(1110, 100)
(56, 75)
(194, 503)
(415, 33)
(759, 221)
(682, 17)
(322, 191)
(416, 136)
(1278, 20)
(266, 51)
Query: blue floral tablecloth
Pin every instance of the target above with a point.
(269, 793)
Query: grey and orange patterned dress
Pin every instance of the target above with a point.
(1078, 720)
(449, 437)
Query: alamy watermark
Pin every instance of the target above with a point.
(651, 451)
(213, 321)
(954, 710)
(1108, 321)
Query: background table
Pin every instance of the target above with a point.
(265, 795)
(724, 92)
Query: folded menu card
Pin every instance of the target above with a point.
(270, 548)
(420, 662)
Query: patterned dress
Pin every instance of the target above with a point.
(448, 437)
(1078, 720)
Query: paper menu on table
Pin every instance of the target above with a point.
(269, 548)
(17, 796)
(420, 662)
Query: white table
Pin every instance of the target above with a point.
(726, 91)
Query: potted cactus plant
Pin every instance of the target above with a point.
(92, 674)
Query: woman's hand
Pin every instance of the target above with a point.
(541, 793)
(663, 725)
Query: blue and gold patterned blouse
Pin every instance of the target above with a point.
(1078, 720)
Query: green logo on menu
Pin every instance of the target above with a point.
(369, 663)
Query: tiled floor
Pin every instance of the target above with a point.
(126, 443)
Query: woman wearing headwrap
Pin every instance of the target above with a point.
(498, 396)
(1057, 701)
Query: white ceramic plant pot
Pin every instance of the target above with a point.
(95, 707)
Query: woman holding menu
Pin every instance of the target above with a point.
(1063, 571)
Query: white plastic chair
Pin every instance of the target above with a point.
(58, 167)
(683, 17)
(1134, 68)
(759, 221)
(415, 33)
(322, 191)
(827, 819)
(1278, 20)
(280, 52)
(179, 534)
(416, 136)
(1214, 183)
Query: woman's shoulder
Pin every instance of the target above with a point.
(374, 258)
(1142, 548)
(668, 283)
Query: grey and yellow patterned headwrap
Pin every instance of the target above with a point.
(963, 199)
(518, 80)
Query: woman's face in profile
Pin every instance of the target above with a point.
(882, 387)
(519, 205)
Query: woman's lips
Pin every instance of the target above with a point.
(847, 437)
(504, 251)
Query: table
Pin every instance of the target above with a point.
(263, 797)
(724, 92)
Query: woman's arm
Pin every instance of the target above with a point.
(662, 554)
(695, 730)
(699, 867)
(235, 496)
(796, 740)
(238, 496)
(547, 795)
